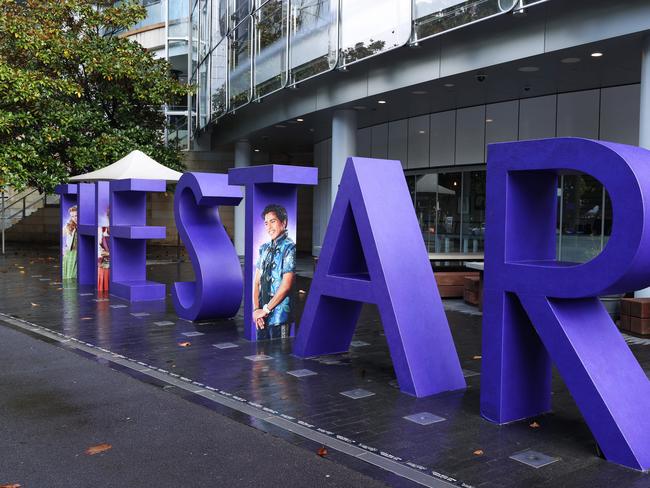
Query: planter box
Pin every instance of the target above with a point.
(451, 284)
(636, 307)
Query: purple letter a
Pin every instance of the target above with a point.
(373, 252)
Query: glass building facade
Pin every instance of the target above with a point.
(237, 52)
(443, 155)
(166, 33)
(450, 208)
(245, 50)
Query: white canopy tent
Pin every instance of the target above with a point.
(428, 183)
(136, 164)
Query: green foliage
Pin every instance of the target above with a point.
(75, 95)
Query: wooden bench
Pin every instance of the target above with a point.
(451, 284)
(471, 293)
(635, 315)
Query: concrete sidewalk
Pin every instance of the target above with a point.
(54, 404)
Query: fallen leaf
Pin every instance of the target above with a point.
(322, 451)
(22, 271)
(185, 344)
(86, 318)
(91, 451)
(14, 485)
(21, 267)
(478, 452)
(477, 357)
(35, 304)
(534, 425)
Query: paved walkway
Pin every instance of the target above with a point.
(260, 385)
(54, 405)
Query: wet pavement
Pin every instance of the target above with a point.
(347, 402)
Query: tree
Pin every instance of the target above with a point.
(75, 95)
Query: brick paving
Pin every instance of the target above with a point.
(463, 447)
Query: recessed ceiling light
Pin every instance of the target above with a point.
(422, 131)
(280, 126)
(449, 85)
(528, 69)
(381, 101)
(596, 55)
(256, 150)
(359, 107)
(570, 60)
(489, 120)
(419, 92)
(300, 120)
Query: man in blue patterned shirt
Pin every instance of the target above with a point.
(275, 273)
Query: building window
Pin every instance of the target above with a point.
(434, 18)
(219, 71)
(584, 221)
(271, 47)
(239, 69)
(450, 208)
(313, 40)
(389, 29)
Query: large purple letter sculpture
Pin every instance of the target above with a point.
(538, 310)
(129, 232)
(266, 185)
(218, 289)
(373, 252)
(68, 224)
(92, 197)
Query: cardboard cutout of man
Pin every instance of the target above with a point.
(70, 245)
(274, 277)
(103, 253)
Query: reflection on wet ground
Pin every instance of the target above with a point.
(444, 436)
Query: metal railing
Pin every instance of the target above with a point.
(223, 92)
(16, 207)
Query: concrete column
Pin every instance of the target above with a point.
(644, 119)
(242, 160)
(344, 144)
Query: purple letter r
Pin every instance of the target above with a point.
(538, 310)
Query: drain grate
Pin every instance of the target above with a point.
(301, 373)
(357, 393)
(425, 418)
(192, 334)
(534, 459)
(258, 357)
